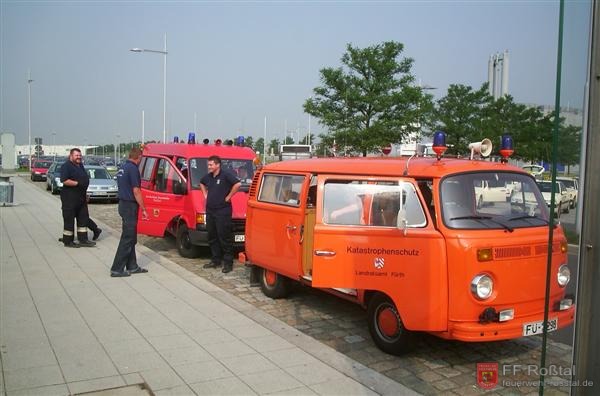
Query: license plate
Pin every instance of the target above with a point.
(534, 328)
(239, 238)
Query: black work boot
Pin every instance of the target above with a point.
(227, 268)
(97, 233)
(67, 240)
(211, 265)
(83, 240)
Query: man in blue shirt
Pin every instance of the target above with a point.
(130, 200)
(219, 186)
(73, 198)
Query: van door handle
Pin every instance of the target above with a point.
(324, 253)
(291, 227)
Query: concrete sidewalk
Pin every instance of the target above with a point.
(67, 327)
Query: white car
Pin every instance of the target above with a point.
(572, 186)
(486, 193)
(561, 197)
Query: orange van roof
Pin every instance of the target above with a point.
(422, 167)
(199, 150)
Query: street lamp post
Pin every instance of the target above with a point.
(29, 81)
(164, 52)
(54, 144)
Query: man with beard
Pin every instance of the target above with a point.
(73, 197)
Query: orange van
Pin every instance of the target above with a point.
(171, 175)
(415, 241)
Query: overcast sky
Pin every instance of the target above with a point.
(234, 63)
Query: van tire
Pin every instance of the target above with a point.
(386, 326)
(184, 245)
(273, 285)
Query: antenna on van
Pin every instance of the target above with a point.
(405, 173)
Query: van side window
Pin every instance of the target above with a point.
(148, 167)
(281, 189)
(372, 203)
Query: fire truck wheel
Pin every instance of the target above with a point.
(184, 244)
(386, 327)
(273, 285)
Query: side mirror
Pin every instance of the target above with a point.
(179, 188)
(401, 222)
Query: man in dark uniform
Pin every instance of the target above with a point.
(130, 200)
(219, 186)
(73, 197)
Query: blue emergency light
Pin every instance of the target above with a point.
(506, 147)
(191, 138)
(175, 139)
(439, 143)
(239, 141)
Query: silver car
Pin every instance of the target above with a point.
(102, 185)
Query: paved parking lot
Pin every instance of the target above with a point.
(435, 366)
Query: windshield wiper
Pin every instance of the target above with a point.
(474, 217)
(471, 217)
(528, 217)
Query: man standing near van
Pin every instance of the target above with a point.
(130, 200)
(73, 198)
(219, 186)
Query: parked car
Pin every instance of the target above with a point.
(53, 183)
(39, 169)
(561, 197)
(572, 186)
(102, 185)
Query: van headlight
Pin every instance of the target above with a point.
(564, 275)
(482, 287)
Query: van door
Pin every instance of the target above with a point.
(374, 234)
(164, 194)
(275, 242)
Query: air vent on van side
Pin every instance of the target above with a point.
(252, 192)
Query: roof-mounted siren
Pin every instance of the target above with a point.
(439, 144)
(205, 141)
(192, 138)
(239, 141)
(506, 148)
(218, 142)
(175, 139)
(483, 148)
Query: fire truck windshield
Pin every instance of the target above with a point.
(492, 200)
(243, 169)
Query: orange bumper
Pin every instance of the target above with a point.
(496, 331)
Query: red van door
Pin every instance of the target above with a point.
(164, 193)
(360, 243)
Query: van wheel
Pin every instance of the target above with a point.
(572, 204)
(567, 208)
(386, 327)
(184, 243)
(47, 187)
(53, 190)
(273, 284)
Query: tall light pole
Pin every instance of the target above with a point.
(54, 144)
(164, 52)
(29, 81)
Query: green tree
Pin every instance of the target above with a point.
(371, 101)
(259, 145)
(461, 114)
(274, 146)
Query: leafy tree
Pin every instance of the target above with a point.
(274, 146)
(259, 145)
(371, 101)
(249, 142)
(460, 114)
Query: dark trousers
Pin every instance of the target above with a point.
(74, 209)
(92, 224)
(125, 255)
(219, 239)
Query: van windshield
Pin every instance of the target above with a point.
(492, 200)
(198, 167)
